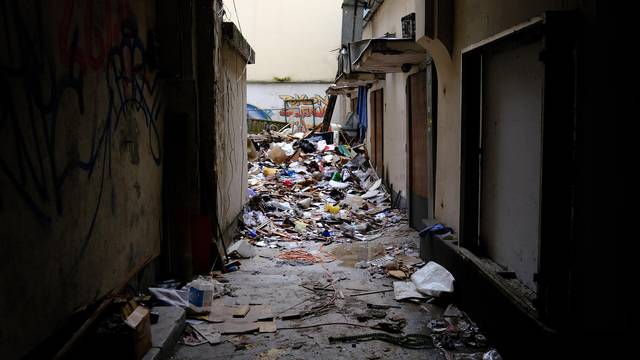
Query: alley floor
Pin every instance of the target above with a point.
(266, 280)
(324, 255)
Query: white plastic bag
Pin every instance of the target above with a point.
(172, 297)
(433, 279)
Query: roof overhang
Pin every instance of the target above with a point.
(340, 89)
(358, 78)
(386, 55)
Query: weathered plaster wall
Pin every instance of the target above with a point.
(80, 158)
(231, 134)
(387, 19)
(292, 38)
(270, 98)
(473, 21)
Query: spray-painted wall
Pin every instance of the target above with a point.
(80, 158)
(270, 98)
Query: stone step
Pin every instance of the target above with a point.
(166, 332)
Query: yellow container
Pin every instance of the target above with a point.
(334, 209)
(269, 171)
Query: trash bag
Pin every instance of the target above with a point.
(307, 147)
(433, 279)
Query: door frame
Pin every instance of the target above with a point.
(431, 92)
(558, 123)
(374, 99)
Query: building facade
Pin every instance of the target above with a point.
(297, 56)
(490, 131)
(119, 159)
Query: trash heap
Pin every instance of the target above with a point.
(306, 189)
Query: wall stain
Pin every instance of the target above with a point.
(100, 39)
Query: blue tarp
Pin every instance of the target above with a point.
(362, 111)
(255, 113)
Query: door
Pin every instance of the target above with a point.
(421, 137)
(511, 158)
(377, 131)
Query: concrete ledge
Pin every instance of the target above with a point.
(152, 354)
(166, 332)
(509, 325)
(232, 35)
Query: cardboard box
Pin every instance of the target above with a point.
(140, 322)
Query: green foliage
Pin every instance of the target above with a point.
(282, 79)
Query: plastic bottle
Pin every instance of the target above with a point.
(200, 295)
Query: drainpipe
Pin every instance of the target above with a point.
(352, 20)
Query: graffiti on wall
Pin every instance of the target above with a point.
(97, 41)
(303, 106)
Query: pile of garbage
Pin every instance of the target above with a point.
(307, 189)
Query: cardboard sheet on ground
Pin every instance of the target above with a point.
(406, 290)
(222, 320)
(209, 332)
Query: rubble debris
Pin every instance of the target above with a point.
(452, 311)
(242, 249)
(300, 256)
(456, 333)
(392, 327)
(398, 274)
(242, 342)
(210, 333)
(191, 337)
(412, 341)
(433, 279)
(310, 190)
(371, 314)
(371, 292)
(271, 354)
(382, 306)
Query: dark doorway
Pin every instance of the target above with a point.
(421, 98)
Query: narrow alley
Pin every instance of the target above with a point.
(310, 179)
(325, 259)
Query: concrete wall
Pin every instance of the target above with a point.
(231, 135)
(270, 98)
(473, 21)
(80, 158)
(387, 19)
(292, 38)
